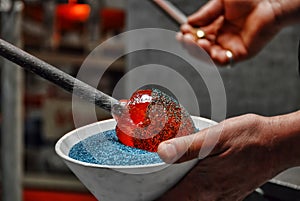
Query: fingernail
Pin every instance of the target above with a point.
(179, 36)
(189, 37)
(213, 53)
(167, 151)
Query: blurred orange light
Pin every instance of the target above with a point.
(73, 12)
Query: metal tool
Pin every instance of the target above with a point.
(172, 11)
(177, 15)
(56, 76)
(299, 57)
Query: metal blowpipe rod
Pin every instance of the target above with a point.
(56, 76)
(171, 10)
(299, 58)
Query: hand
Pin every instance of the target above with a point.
(251, 150)
(243, 27)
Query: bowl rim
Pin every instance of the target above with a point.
(93, 165)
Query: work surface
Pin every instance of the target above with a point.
(289, 178)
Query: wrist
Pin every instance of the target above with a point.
(286, 12)
(285, 144)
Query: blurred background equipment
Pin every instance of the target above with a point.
(11, 106)
(69, 23)
(35, 113)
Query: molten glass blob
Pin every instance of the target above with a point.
(150, 117)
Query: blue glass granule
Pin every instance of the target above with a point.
(105, 149)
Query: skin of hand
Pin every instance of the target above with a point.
(242, 26)
(251, 150)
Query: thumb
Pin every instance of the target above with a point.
(207, 14)
(178, 149)
(199, 145)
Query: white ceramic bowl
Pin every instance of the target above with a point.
(129, 183)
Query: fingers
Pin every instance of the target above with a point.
(199, 145)
(207, 14)
(193, 46)
(208, 32)
(215, 42)
(180, 148)
(186, 28)
(219, 55)
(188, 42)
(219, 38)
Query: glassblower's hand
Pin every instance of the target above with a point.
(251, 149)
(240, 28)
(239, 154)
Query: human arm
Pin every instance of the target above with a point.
(243, 27)
(251, 150)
